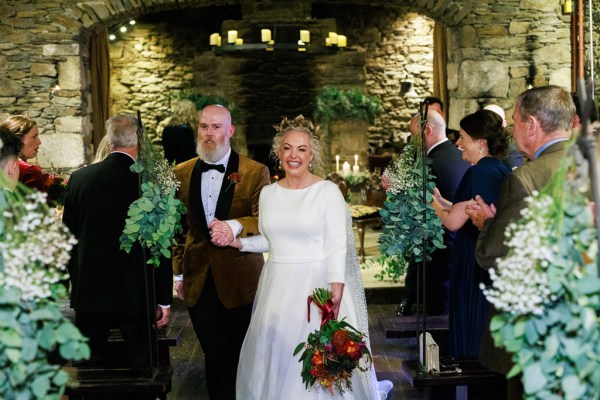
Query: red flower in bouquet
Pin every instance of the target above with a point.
(333, 352)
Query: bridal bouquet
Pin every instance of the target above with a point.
(332, 353)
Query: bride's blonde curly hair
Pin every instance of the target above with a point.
(299, 124)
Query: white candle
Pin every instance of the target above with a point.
(214, 39)
(355, 169)
(231, 36)
(305, 36)
(327, 42)
(341, 40)
(265, 35)
(239, 41)
(356, 159)
(333, 38)
(345, 168)
(337, 163)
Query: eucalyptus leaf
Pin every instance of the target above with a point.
(534, 379)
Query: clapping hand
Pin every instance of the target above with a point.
(220, 233)
(480, 212)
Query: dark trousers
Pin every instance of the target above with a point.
(437, 282)
(221, 333)
(134, 329)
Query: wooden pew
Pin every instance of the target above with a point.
(94, 383)
(473, 378)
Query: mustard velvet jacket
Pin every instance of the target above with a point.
(235, 273)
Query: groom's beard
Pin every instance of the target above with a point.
(212, 154)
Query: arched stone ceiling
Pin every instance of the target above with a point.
(447, 12)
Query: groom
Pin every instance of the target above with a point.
(217, 283)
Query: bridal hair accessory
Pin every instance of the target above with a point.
(334, 351)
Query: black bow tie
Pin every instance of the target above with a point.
(205, 167)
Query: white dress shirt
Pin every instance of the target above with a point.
(212, 180)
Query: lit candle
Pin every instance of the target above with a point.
(265, 35)
(305, 36)
(345, 168)
(239, 41)
(356, 159)
(214, 39)
(355, 169)
(337, 163)
(333, 38)
(327, 42)
(219, 40)
(341, 41)
(231, 36)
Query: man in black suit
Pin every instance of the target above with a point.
(109, 285)
(448, 167)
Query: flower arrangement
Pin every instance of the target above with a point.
(332, 102)
(332, 353)
(547, 290)
(392, 267)
(155, 217)
(34, 335)
(411, 231)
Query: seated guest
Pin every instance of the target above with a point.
(179, 136)
(484, 143)
(108, 284)
(10, 146)
(26, 129)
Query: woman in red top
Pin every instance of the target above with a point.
(26, 129)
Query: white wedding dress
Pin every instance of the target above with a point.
(306, 232)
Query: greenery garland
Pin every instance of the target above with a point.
(332, 102)
(406, 237)
(154, 218)
(35, 337)
(547, 290)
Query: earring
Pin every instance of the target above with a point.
(310, 165)
(480, 150)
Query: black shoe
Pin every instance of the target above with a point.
(405, 307)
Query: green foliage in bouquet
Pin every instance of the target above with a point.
(35, 337)
(412, 231)
(333, 352)
(332, 102)
(547, 290)
(154, 218)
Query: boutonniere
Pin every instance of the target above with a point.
(233, 178)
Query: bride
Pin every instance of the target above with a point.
(306, 228)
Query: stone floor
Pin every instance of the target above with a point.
(187, 358)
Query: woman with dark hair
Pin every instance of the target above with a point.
(484, 143)
(26, 129)
(179, 136)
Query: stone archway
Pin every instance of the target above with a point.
(495, 51)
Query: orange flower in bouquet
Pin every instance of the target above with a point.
(333, 352)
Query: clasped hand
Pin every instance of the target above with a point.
(220, 233)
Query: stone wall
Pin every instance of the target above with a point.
(496, 49)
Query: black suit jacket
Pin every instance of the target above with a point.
(448, 167)
(103, 277)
